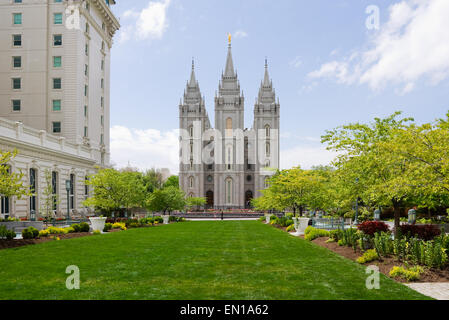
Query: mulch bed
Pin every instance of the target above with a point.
(6, 244)
(429, 275)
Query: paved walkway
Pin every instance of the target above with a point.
(436, 290)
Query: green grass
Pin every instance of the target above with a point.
(193, 260)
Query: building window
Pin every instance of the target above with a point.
(209, 179)
(5, 201)
(56, 105)
(57, 83)
(85, 111)
(33, 190)
(16, 83)
(87, 27)
(267, 131)
(56, 127)
(229, 191)
(86, 89)
(102, 64)
(191, 131)
(54, 189)
(191, 182)
(267, 149)
(57, 40)
(86, 70)
(228, 127)
(248, 178)
(57, 61)
(85, 132)
(191, 164)
(17, 62)
(57, 18)
(16, 105)
(86, 49)
(17, 40)
(101, 139)
(72, 191)
(102, 102)
(102, 120)
(17, 18)
(102, 83)
(17, 1)
(86, 187)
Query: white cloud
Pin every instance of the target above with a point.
(149, 23)
(306, 157)
(240, 34)
(412, 45)
(145, 149)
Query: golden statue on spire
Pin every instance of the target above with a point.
(229, 38)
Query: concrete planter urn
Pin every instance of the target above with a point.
(267, 218)
(97, 223)
(166, 219)
(300, 225)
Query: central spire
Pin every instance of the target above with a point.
(229, 71)
(266, 79)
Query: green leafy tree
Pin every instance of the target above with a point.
(48, 200)
(166, 200)
(172, 181)
(115, 190)
(11, 183)
(195, 202)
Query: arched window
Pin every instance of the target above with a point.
(191, 131)
(267, 131)
(191, 182)
(72, 191)
(54, 189)
(229, 188)
(33, 190)
(267, 163)
(228, 127)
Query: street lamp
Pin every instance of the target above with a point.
(412, 216)
(356, 205)
(377, 214)
(68, 187)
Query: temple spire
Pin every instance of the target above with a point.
(229, 71)
(192, 82)
(266, 79)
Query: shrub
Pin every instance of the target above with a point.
(6, 234)
(30, 233)
(383, 243)
(424, 232)
(316, 233)
(96, 232)
(172, 219)
(290, 228)
(368, 256)
(372, 227)
(336, 234)
(44, 233)
(76, 227)
(107, 227)
(411, 274)
(181, 219)
(55, 230)
(69, 230)
(119, 225)
(84, 227)
(158, 219)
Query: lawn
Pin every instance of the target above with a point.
(192, 260)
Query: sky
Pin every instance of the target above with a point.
(332, 62)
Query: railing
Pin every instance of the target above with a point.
(329, 223)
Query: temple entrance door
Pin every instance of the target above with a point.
(248, 198)
(210, 199)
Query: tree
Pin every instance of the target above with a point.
(172, 181)
(48, 198)
(379, 175)
(11, 183)
(152, 179)
(166, 200)
(196, 202)
(116, 190)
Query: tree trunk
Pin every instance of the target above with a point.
(397, 216)
(294, 211)
(300, 211)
